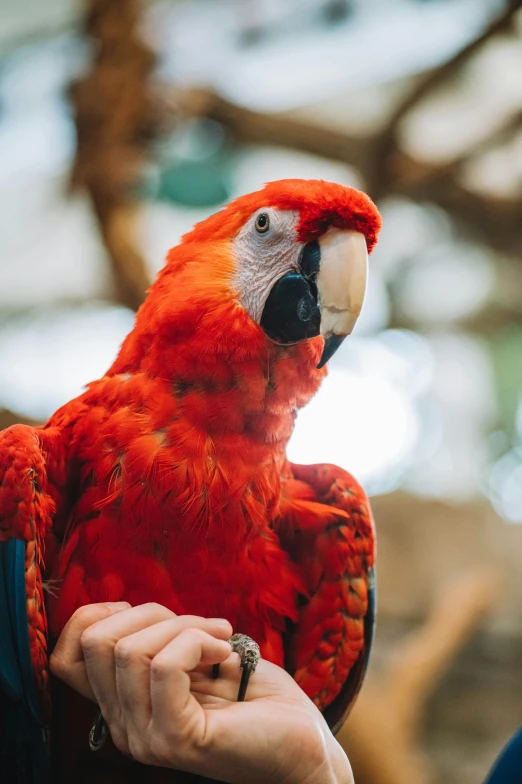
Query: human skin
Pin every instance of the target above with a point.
(149, 671)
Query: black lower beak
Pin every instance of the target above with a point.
(331, 345)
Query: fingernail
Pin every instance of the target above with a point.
(220, 622)
(117, 606)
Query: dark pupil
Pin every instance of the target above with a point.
(262, 221)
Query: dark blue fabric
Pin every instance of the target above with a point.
(508, 767)
(24, 757)
(10, 675)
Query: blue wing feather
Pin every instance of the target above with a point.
(10, 676)
(18, 605)
(23, 746)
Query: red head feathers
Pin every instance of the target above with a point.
(320, 205)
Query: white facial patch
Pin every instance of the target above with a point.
(264, 256)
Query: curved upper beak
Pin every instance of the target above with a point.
(341, 286)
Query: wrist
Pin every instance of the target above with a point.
(324, 762)
(335, 769)
(340, 764)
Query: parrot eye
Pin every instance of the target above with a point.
(262, 223)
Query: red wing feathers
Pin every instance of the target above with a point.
(327, 528)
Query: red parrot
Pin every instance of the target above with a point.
(167, 479)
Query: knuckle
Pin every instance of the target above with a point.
(125, 652)
(57, 664)
(138, 749)
(189, 635)
(119, 738)
(91, 640)
(194, 636)
(158, 611)
(156, 608)
(159, 668)
(88, 614)
(83, 614)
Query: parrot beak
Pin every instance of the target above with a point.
(341, 286)
(324, 296)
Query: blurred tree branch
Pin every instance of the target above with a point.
(386, 146)
(117, 114)
(496, 221)
(8, 418)
(252, 127)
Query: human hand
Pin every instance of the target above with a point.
(150, 672)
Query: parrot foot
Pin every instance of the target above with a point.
(249, 654)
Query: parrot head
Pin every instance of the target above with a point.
(284, 266)
(300, 251)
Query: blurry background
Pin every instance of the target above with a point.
(123, 123)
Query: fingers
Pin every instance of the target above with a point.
(134, 654)
(98, 643)
(119, 651)
(171, 700)
(67, 660)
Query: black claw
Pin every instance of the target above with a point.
(245, 677)
(99, 733)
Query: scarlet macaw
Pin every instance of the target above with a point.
(167, 480)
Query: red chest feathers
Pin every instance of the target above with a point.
(174, 516)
